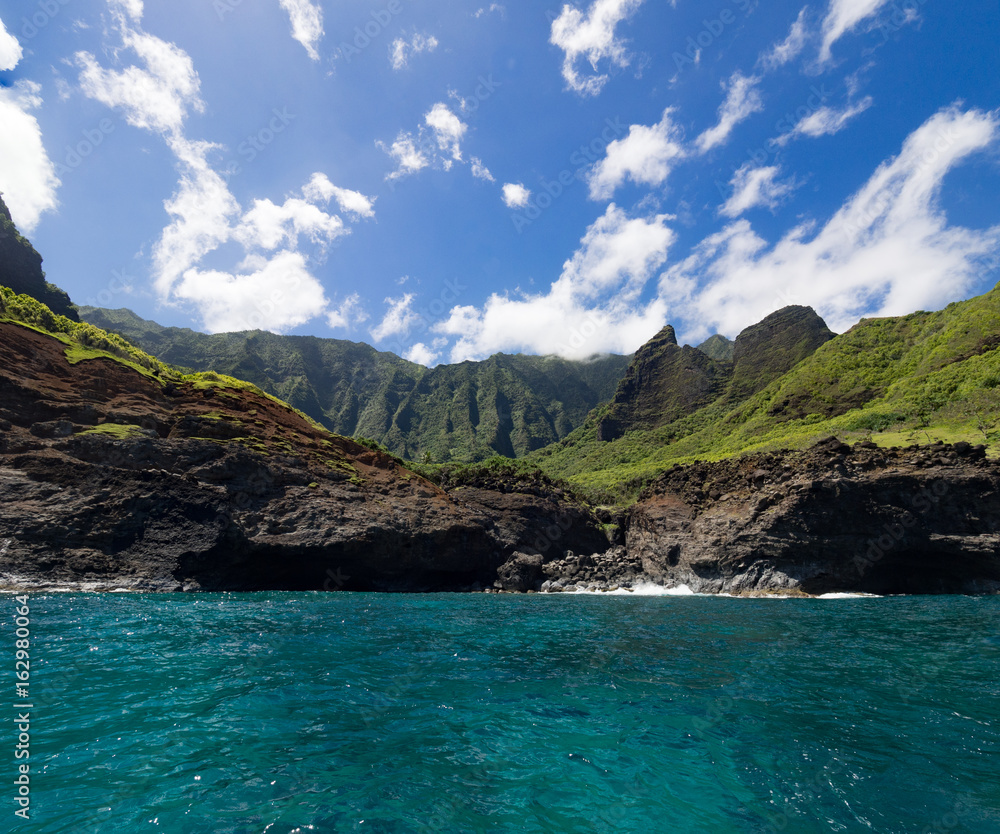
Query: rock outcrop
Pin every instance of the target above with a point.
(114, 477)
(21, 269)
(666, 382)
(663, 383)
(834, 518)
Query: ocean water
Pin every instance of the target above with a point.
(286, 712)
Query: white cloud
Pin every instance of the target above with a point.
(742, 100)
(10, 49)
(409, 157)
(421, 354)
(515, 195)
(825, 121)
(842, 16)
(307, 23)
(448, 129)
(275, 293)
(593, 307)
(591, 37)
(156, 97)
(790, 48)
(480, 171)
(888, 251)
(755, 187)
(320, 189)
(401, 49)
(349, 313)
(494, 7)
(438, 140)
(271, 286)
(645, 156)
(398, 320)
(28, 178)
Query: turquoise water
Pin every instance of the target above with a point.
(339, 712)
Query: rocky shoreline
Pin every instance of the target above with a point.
(112, 479)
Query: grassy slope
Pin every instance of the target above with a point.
(85, 341)
(897, 381)
(464, 412)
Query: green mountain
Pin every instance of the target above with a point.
(509, 405)
(893, 381)
(21, 269)
(718, 347)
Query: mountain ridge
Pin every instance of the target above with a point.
(506, 404)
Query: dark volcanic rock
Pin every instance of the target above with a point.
(214, 488)
(110, 478)
(663, 383)
(833, 518)
(21, 269)
(772, 347)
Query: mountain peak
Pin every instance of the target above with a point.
(772, 347)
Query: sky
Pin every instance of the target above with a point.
(447, 180)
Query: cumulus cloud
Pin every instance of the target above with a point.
(448, 129)
(319, 188)
(409, 157)
(437, 141)
(28, 178)
(307, 23)
(401, 49)
(826, 121)
(591, 36)
(593, 307)
(755, 187)
(843, 16)
(348, 313)
(155, 97)
(888, 251)
(790, 48)
(421, 354)
(743, 99)
(10, 49)
(480, 171)
(398, 319)
(515, 195)
(271, 287)
(646, 156)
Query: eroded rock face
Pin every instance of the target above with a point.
(113, 479)
(109, 478)
(833, 518)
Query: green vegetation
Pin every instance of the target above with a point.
(507, 404)
(21, 269)
(119, 430)
(896, 381)
(513, 474)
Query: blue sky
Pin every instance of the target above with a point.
(447, 180)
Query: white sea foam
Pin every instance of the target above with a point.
(849, 596)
